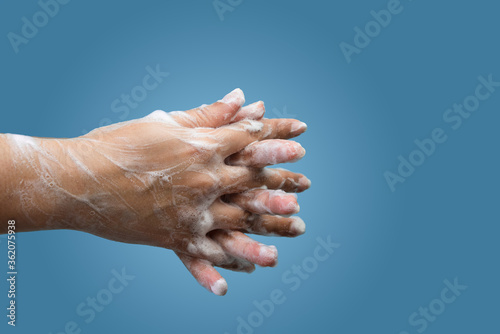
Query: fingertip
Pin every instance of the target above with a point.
(304, 183)
(260, 110)
(219, 287)
(255, 110)
(251, 269)
(283, 203)
(268, 256)
(296, 152)
(298, 128)
(301, 152)
(236, 97)
(298, 227)
(293, 207)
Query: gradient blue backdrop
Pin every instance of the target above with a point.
(396, 248)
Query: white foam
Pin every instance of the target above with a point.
(234, 97)
(252, 126)
(122, 180)
(219, 287)
(161, 116)
(269, 253)
(298, 226)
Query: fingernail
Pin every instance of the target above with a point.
(301, 152)
(294, 207)
(235, 97)
(298, 128)
(219, 287)
(298, 226)
(268, 253)
(304, 183)
(257, 110)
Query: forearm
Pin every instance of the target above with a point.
(26, 182)
(9, 205)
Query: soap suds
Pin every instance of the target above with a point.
(176, 192)
(298, 226)
(219, 287)
(235, 97)
(252, 126)
(269, 253)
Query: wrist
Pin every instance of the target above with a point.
(70, 177)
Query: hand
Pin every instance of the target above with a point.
(257, 154)
(163, 180)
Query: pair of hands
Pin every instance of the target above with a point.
(189, 181)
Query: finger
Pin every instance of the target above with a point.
(235, 218)
(238, 264)
(207, 249)
(242, 246)
(205, 274)
(214, 115)
(261, 201)
(238, 135)
(253, 111)
(267, 152)
(230, 216)
(238, 179)
(203, 248)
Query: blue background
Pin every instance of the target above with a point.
(396, 249)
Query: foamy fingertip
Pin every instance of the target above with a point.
(298, 226)
(219, 287)
(235, 97)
